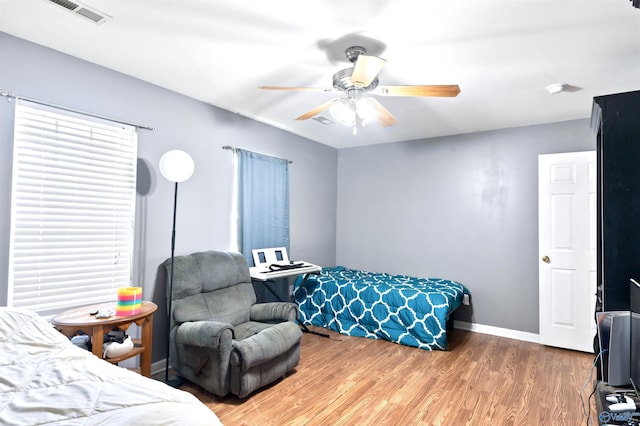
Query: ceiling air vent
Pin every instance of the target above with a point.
(323, 120)
(80, 9)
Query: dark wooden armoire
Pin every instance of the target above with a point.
(616, 118)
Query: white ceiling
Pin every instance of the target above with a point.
(502, 53)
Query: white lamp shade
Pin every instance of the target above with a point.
(176, 165)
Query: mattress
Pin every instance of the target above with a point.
(46, 380)
(402, 309)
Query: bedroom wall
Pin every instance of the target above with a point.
(462, 208)
(204, 201)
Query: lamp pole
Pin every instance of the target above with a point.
(176, 166)
(175, 382)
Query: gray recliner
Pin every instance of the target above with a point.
(220, 338)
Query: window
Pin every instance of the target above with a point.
(262, 202)
(72, 209)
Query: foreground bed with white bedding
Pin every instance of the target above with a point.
(45, 379)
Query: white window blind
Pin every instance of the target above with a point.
(73, 207)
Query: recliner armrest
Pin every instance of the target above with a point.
(206, 334)
(265, 346)
(274, 312)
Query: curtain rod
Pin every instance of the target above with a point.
(102, 117)
(234, 149)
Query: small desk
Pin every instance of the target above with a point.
(80, 319)
(263, 274)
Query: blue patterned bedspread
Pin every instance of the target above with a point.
(402, 309)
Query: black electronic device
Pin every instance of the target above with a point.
(613, 336)
(283, 266)
(634, 333)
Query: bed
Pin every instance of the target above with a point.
(399, 308)
(47, 380)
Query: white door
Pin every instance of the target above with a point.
(567, 249)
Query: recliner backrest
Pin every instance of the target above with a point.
(211, 285)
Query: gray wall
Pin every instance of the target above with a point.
(462, 208)
(204, 201)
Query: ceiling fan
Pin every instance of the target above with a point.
(359, 81)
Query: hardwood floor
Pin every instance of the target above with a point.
(481, 380)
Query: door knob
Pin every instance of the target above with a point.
(546, 259)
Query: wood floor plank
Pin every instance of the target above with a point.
(481, 380)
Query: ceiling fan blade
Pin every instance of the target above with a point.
(385, 118)
(304, 89)
(316, 110)
(366, 70)
(448, 90)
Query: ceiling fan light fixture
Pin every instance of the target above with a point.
(343, 112)
(366, 110)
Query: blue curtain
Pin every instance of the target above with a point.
(263, 202)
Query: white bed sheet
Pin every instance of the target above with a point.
(46, 380)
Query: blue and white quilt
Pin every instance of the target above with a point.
(399, 308)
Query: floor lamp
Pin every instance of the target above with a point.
(176, 166)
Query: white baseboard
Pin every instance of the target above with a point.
(497, 331)
(158, 366)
